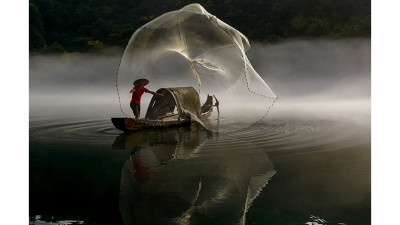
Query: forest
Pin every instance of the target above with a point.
(57, 26)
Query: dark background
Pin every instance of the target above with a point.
(88, 25)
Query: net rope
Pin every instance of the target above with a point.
(214, 52)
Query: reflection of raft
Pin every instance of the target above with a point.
(178, 107)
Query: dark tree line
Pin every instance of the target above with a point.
(85, 25)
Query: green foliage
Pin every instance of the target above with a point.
(55, 47)
(95, 45)
(80, 43)
(35, 19)
(71, 25)
(317, 27)
(36, 39)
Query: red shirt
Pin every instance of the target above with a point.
(137, 94)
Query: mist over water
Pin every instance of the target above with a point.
(333, 69)
(300, 72)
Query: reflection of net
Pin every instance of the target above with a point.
(191, 47)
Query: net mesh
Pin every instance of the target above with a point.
(191, 47)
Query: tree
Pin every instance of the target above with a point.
(36, 39)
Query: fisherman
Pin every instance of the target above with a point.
(137, 92)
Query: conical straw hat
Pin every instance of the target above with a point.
(142, 81)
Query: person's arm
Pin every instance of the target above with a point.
(153, 93)
(131, 91)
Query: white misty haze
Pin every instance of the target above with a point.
(334, 69)
(295, 70)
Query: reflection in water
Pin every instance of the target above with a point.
(185, 176)
(190, 176)
(37, 220)
(141, 172)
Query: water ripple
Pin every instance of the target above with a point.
(272, 135)
(79, 131)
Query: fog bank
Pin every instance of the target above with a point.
(298, 71)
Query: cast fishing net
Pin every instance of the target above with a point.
(191, 47)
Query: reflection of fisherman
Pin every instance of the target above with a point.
(141, 173)
(137, 93)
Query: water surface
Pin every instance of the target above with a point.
(281, 170)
